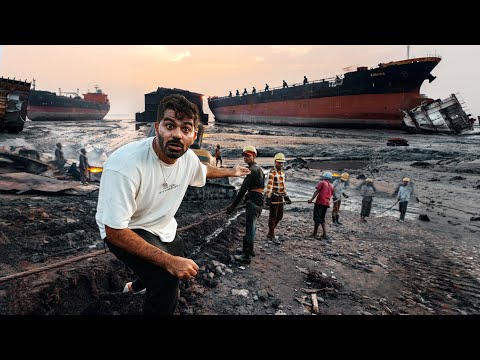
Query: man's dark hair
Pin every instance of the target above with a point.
(182, 107)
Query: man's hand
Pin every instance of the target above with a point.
(310, 201)
(268, 201)
(287, 200)
(230, 210)
(241, 170)
(182, 268)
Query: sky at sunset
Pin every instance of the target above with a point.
(127, 72)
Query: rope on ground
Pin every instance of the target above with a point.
(92, 254)
(52, 266)
(445, 206)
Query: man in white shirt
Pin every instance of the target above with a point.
(141, 189)
(403, 192)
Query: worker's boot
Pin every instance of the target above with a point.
(246, 256)
(334, 219)
(338, 222)
(240, 251)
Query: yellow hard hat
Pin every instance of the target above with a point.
(249, 149)
(406, 179)
(369, 180)
(279, 157)
(345, 176)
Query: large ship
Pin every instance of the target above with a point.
(13, 104)
(364, 98)
(68, 106)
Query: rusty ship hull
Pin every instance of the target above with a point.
(363, 98)
(48, 106)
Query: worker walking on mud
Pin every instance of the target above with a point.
(276, 195)
(141, 189)
(339, 186)
(404, 192)
(218, 156)
(323, 192)
(83, 166)
(252, 186)
(368, 190)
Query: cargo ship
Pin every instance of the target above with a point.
(364, 98)
(67, 106)
(13, 104)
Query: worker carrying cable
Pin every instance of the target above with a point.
(276, 195)
(339, 187)
(323, 193)
(252, 188)
(403, 192)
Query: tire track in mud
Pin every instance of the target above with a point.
(441, 284)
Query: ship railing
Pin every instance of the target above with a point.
(332, 79)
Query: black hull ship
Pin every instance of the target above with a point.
(48, 106)
(365, 98)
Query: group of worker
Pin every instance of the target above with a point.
(327, 192)
(267, 88)
(142, 187)
(83, 165)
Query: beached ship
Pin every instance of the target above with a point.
(364, 98)
(67, 106)
(445, 116)
(152, 100)
(13, 104)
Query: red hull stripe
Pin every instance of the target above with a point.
(374, 109)
(47, 109)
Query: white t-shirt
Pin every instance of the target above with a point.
(132, 194)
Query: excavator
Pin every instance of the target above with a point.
(214, 189)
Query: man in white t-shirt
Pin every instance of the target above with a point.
(141, 189)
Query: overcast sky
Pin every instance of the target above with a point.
(127, 72)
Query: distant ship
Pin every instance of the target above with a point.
(48, 106)
(364, 98)
(13, 104)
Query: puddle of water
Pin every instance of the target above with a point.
(220, 229)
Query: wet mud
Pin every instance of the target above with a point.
(381, 267)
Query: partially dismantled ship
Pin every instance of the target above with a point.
(13, 104)
(445, 116)
(365, 98)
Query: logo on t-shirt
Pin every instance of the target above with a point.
(168, 188)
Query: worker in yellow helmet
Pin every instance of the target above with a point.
(276, 196)
(339, 186)
(403, 192)
(252, 186)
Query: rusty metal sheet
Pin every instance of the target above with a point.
(31, 165)
(23, 182)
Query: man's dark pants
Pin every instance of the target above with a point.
(162, 288)
(252, 213)
(402, 206)
(319, 212)
(276, 213)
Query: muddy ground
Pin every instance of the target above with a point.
(378, 267)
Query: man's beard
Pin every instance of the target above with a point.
(170, 153)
